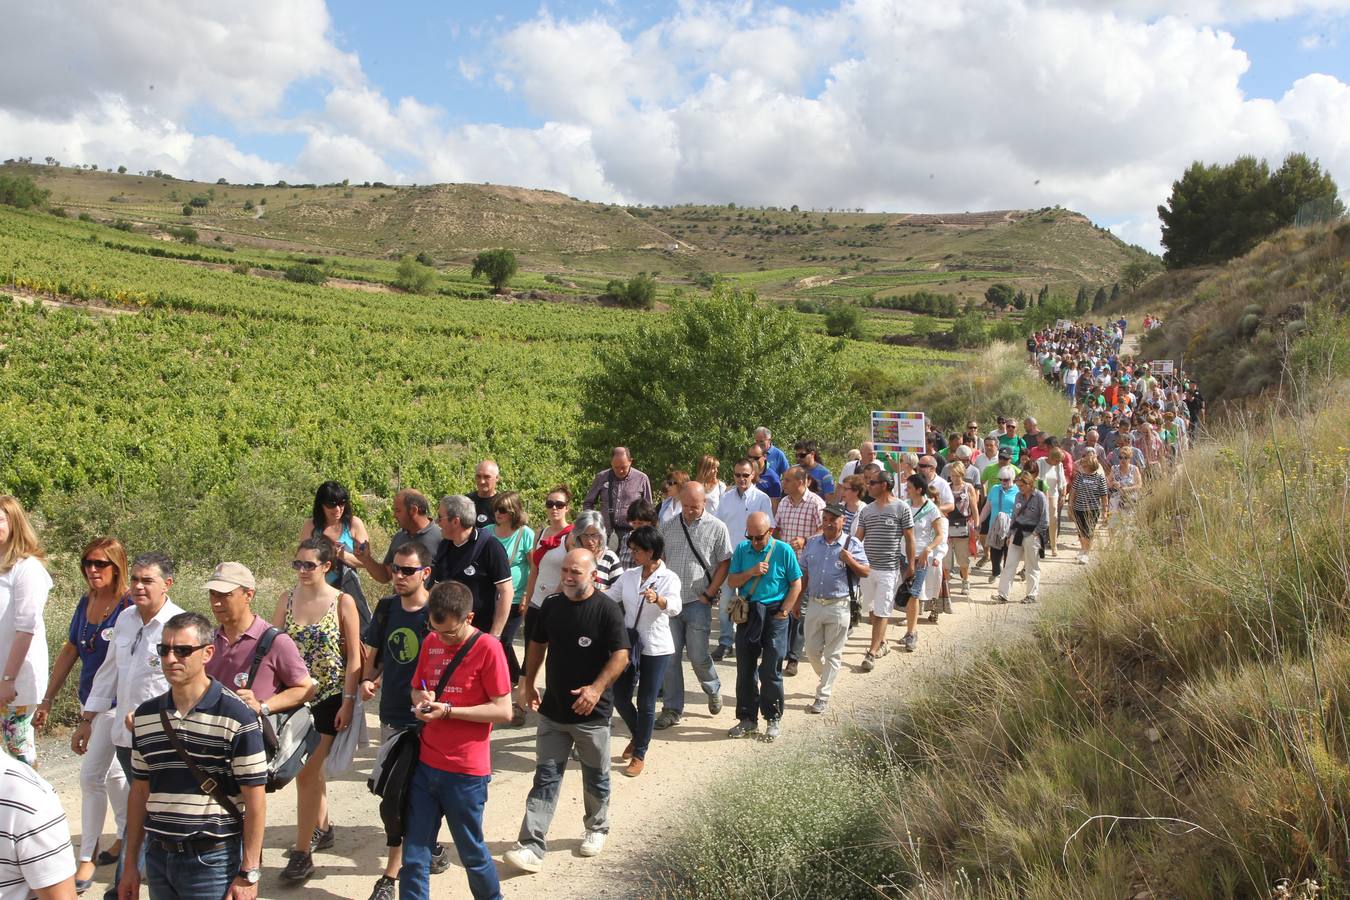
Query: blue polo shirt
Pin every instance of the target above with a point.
(783, 570)
(777, 461)
(826, 575)
(226, 742)
(770, 484)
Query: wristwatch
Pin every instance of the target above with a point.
(9, 677)
(252, 876)
(263, 710)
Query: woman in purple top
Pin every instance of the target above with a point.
(104, 566)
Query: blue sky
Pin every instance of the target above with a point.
(900, 105)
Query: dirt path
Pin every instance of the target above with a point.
(682, 762)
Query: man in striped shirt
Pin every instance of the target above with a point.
(35, 858)
(204, 836)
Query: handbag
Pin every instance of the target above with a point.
(739, 609)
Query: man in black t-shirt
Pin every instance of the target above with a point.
(581, 634)
(475, 558)
(392, 640)
(485, 492)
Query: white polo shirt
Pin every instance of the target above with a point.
(34, 836)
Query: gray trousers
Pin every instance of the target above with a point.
(826, 628)
(552, 745)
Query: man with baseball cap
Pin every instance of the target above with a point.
(282, 682)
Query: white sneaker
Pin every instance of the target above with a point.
(593, 843)
(524, 858)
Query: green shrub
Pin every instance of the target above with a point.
(305, 273)
(414, 276)
(844, 320)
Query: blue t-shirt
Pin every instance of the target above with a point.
(824, 480)
(770, 484)
(783, 570)
(399, 642)
(1001, 500)
(90, 640)
(777, 461)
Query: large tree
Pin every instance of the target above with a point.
(701, 379)
(497, 266)
(1215, 213)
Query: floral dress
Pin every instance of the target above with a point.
(321, 646)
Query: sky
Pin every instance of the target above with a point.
(886, 105)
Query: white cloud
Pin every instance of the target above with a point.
(923, 105)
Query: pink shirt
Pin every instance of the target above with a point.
(283, 667)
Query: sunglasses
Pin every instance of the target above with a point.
(927, 466)
(406, 571)
(876, 482)
(303, 565)
(755, 458)
(99, 564)
(742, 474)
(182, 651)
(756, 537)
(803, 455)
(556, 504)
(334, 504)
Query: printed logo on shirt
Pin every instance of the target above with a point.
(404, 644)
(583, 641)
(107, 635)
(469, 570)
(240, 679)
(154, 661)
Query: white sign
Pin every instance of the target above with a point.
(898, 432)
(1164, 366)
(1063, 325)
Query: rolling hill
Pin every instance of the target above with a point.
(790, 254)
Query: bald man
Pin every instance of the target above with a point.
(580, 632)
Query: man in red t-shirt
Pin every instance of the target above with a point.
(455, 763)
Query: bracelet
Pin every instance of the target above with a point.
(348, 696)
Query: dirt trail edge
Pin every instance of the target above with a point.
(644, 811)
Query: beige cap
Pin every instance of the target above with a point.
(230, 575)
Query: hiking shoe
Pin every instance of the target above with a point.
(719, 654)
(885, 649)
(984, 558)
(715, 703)
(593, 843)
(1000, 598)
(965, 586)
(818, 707)
(322, 839)
(524, 859)
(742, 728)
(667, 718)
(627, 752)
(635, 767)
(1029, 598)
(869, 662)
(772, 731)
(299, 868)
(731, 653)
(790, 669)
(910, 641)
(384, 888)
(440, 859)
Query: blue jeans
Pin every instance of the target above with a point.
(796, 643)
(191, 876)
(726, 629)
(460, 800)
(759, 671)
(124, 760)
(691, 629)
(641, 719)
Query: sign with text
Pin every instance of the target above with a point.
(1063, 324)
(898, 432)
(1164, 366)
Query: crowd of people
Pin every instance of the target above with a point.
(189, 724)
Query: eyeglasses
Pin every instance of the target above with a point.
(743, 474)
(99, 564)
(334, 504)
(182, 651)
(406, 571)
(874, 483)
(756, 537)
(803, 455)
(303, 565)
(927, 466)
(556, 504)
(589, 536)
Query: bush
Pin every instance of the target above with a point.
(21, 191)
(413, 276)
(121, 225)
(425, 259)
(187, 209)
(639, 293)
(304, 273)
(969, 332)
(183, 233)
(59, 212)
(86, 217)
(844, 320)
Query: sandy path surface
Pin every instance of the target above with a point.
(644, 810)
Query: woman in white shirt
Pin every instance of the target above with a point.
(713, 488)
(1051, 472)
(930, 539)
(24, 586)
(650, 595)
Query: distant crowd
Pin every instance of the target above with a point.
(190, 725)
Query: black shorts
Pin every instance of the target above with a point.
(325, 714)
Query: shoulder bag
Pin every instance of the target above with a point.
(703, 564)
(204, 781)
(739, 609)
